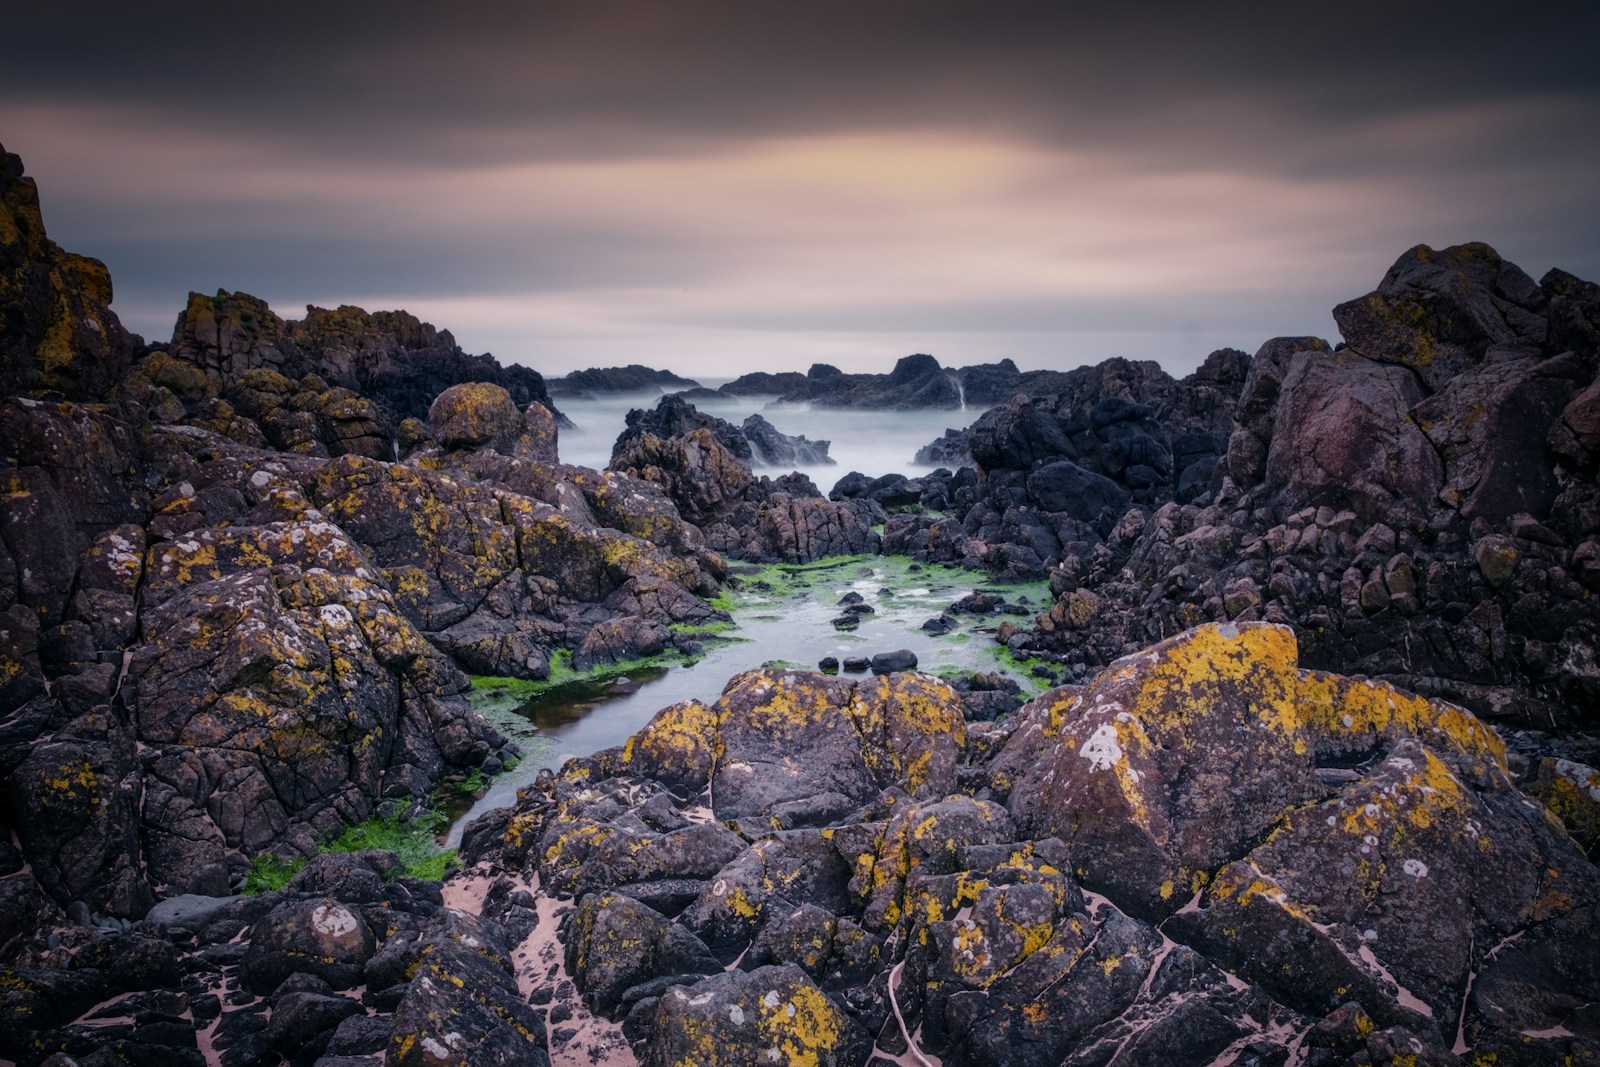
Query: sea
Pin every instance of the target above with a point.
(871, 442)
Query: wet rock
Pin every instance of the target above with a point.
(770, 448)
(899, 660)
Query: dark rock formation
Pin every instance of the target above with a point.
(916, 382)
(1420, 504)
(756, 443)
(633, 378)
(231, 623)
(57, 334)
(391, 358)
(770, 448)
(696, 460)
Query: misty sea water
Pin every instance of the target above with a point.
(872, 442)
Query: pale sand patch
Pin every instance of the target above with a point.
(466, 890)
(541, 961)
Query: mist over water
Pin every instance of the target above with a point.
(872, 442)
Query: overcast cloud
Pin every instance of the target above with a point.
(718, 186)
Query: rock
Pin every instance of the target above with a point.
(1490, 426)
(1108, 790)
(888, 662)
(1497, 557)
(475, 415)
(1572, 792)
(1438, 313)
(786, 736)
(1343, 436)
(319, 936)
(616, 943)
(633, 378)
(739, 1018)
(392, 358)
(464, 1002)
(188, 911)
(61, 335)
(619, 640)
(769, 448)
(1064, 486)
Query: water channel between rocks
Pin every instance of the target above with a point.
(782, 617)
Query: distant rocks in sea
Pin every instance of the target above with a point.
(634, 378)
(755, 443)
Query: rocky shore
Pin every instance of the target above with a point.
(1313, 783)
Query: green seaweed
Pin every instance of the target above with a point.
(414, 841)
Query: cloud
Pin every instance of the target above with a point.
(569, 183)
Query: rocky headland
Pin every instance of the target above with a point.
(1313, 783)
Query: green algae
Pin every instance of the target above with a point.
(415, 841)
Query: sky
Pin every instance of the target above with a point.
(715, 187)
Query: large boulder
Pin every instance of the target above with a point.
(1169, 765)
(316, 936)
(475, 415)
(1492, 426)
(1343, 435)
(279, 686)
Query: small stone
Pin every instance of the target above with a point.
(1497, 559)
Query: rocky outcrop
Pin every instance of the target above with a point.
(390, 358)
(1418, 503)
(770, 448)
(633, 378)
(701, 463)
(755, 443)
(58, 336)
(1208, 851)
(916, 382)
(231, 623)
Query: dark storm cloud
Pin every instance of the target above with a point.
(492, 80)
(600, 180)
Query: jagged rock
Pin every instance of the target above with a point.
(57, 332)
(1489, 427)
(1439, 313)
(633, 378)
(390, 357)
(463, 1003)
(770, 448)
(1575, 436)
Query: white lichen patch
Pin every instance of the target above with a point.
(1585, 778)
(1415, 868)
(1102, 749)
(334, 921)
